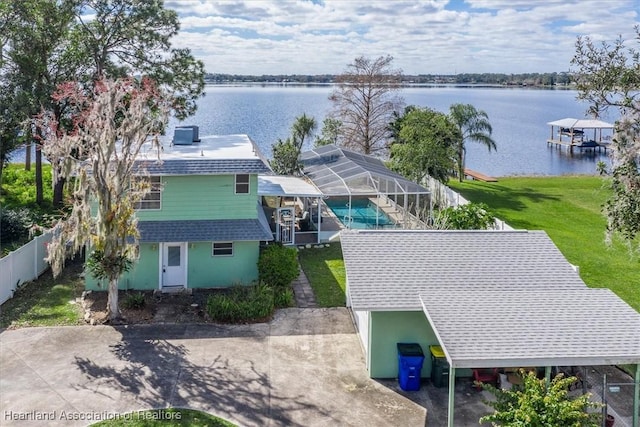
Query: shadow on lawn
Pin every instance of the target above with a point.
(499, 197)
(158, 373)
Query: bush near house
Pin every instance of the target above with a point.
(242, 304)
(472, 216)
(278, 266)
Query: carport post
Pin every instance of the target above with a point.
(452, 392)
(547, 374)
(636, 396)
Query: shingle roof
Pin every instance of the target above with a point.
(204, 166)
(219, 230)
(481, 327)
(387, 270)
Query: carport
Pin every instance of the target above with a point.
(489, 298)
(482, 327)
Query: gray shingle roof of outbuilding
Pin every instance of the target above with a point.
(218, 230)
(561, 327)
(493, 299)
(387, 270)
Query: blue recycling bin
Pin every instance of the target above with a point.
(410, 360)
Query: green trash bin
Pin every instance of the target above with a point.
(439, 367)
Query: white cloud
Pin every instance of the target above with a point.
(438, 36)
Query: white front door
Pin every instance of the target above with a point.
(174, 265)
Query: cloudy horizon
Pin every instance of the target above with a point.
(425, 37)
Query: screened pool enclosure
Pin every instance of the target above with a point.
(361, 192)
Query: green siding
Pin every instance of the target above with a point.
(203, 197)
(207, 271)
(204, 270)
(391, 327)
(143, 276)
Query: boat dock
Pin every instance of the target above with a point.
(572, 133)
(583, 145)
(479, 176)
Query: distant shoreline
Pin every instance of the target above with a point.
(403, 85)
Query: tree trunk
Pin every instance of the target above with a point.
(113, 311)
(58, 192)
(27, 157)
(39, 189)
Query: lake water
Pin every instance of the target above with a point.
(519, 118)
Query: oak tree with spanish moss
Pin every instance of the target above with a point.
(96, 146)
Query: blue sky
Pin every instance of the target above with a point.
(424, 37)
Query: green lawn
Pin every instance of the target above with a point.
(46, 301)
(324, 268)
(166, 417)
(568, 208)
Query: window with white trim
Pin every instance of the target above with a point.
(242, 184)
(152, 199)
(222, 249)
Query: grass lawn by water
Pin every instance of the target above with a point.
(324, 268)
(166, 417)
(568, 208)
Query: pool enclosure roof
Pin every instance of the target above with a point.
(339, 172)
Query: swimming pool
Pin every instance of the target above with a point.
(363, 213)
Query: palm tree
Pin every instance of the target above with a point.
(302, 128)
(474, 126)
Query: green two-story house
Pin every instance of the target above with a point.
(200, 226)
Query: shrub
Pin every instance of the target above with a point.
(283, 298)
(134, 301)
(242, 304)
(278, 266)
(14, 224)
(472, 216)
(536, 403)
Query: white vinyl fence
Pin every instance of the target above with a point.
(444, 196)
(23, 265)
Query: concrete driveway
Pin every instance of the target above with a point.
(305, 368)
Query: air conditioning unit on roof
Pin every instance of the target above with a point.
(186, 135)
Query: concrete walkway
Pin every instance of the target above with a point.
(303, 292)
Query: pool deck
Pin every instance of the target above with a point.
(386, 206)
